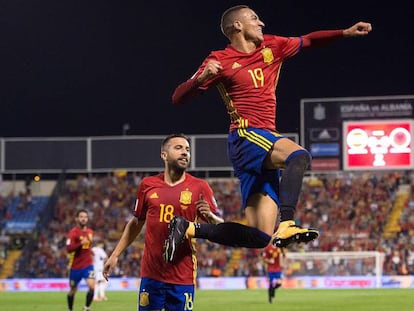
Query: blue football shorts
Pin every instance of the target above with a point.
(75, 276)
(156, 295)
(247, 149)
(274, 276)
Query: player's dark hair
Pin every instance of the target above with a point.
(228, 17)
(171, 136)
(81, 211)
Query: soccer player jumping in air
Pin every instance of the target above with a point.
(246, 73)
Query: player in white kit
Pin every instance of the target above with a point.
(99, 257)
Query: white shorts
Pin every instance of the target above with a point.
(99, 276)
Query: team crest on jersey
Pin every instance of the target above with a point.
(185, 197)
(267, 55)
(144, 299)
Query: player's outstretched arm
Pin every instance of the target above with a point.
(131, 231)
(324, 37)
(109, 265)
(360, 29)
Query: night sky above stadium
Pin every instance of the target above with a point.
(85, 68)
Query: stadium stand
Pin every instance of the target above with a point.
(353, 211)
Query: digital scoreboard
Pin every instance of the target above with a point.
(385, 144)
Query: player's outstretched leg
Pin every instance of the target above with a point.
(288, 233)
(176, 236)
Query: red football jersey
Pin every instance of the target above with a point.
(80, 256)
(248, 81)
(157, 203)
(273, 257)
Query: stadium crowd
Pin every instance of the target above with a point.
(351, 211)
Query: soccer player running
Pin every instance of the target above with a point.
(79, 248)
(246, 73)
(274, 260)
(174, 192)
(99, 257)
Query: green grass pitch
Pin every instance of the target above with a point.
(240, 300)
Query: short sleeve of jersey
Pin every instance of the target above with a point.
(140, 210)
